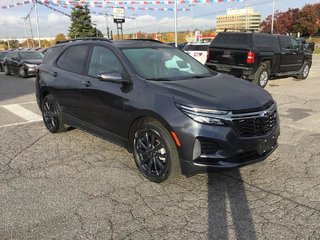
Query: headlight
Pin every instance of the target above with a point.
(29, 65)
(201, 115)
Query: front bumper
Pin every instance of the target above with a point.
(224, 148)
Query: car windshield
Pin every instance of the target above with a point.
(3, 54)
(165, 64)
(30, 55)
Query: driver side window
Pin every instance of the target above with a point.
(103, 60)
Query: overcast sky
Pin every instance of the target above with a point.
(51, 22)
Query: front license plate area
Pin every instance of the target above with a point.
(266, 145)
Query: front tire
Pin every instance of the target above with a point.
(22, 72)
(262, 76)
(51, 115)
(304, 71)
(155, 152)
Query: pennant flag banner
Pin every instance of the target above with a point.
(113, 4)
(16, 4)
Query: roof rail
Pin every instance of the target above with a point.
(145, 39)
(85, 38)
(239, 30)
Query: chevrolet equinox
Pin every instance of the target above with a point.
(174, 114)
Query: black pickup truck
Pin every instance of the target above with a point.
(257, 56)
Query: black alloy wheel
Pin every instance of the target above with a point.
(51, 115)
(155, 153)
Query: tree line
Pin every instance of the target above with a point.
(306, 21)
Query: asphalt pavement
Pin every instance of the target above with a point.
(77, 186)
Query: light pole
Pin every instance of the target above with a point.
(272, 19)
(175, 24)
(31, 31)
(135, 19)
(25, 27)
(191, 7)
(5, 26)
(107, 15)
(36, 10)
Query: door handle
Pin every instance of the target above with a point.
(55, 74)
(87, 83)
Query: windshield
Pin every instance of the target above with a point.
(3, 54)
(165, 64)
(30, 55)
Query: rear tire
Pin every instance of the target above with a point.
(51, 114)
(304, 71)
(262, 76)
(155, 152)
(6, 70)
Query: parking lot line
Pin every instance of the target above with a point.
(23, 112)
(19, 124)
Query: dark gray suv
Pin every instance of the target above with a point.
(173, 113)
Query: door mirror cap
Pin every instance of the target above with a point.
(114, 76)
(16, 59)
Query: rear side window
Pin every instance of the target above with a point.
(231, 39)
(74, 59)
(50, 53)
(196, 47)
(266, 40)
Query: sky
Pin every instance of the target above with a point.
(51, 22)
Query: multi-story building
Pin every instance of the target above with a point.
(244, 18)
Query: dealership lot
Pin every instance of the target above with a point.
(76, 186)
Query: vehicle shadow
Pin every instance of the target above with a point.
(228, 209)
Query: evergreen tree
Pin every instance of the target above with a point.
(81, 25)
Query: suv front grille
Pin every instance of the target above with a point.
(255, 124)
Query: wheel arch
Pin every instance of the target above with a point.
(139, 119)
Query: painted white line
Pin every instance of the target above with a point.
(23, 103)
(23, 112)
(18, 124)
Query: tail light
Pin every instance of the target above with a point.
(208, 55)
(250, 57)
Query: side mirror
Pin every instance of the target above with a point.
(114, 76)
(16, 59)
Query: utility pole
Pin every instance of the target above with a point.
(36, 10)
(272, 20)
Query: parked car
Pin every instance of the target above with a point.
(22, 62)
(3, 54)
(180, 45)
(307, 45)
(172, 112)
(257, 56)
(197, 50)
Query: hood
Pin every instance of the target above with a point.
(32, 61)
(220, 92)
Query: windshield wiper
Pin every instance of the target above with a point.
(158, 79)
(198, 76)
